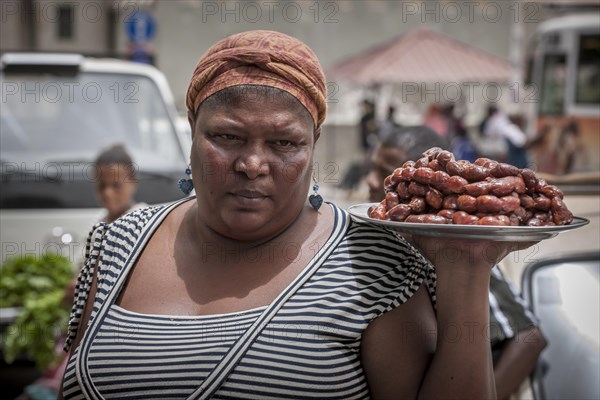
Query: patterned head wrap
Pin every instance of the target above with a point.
(261, 58)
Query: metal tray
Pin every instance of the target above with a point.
(481, 232)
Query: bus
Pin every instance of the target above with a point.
(564, 68)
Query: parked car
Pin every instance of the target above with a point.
(58, 112)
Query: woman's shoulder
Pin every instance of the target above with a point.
(140, 219)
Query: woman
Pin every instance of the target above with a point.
(246, 291)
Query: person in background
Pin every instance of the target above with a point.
(437, 119)
(388, 125)
(498, 126)
(462, 146)
(515, 338)
(116, 184)
(368, 126)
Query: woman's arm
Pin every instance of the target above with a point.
(400, 365)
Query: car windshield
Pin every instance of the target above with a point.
(53, 127)
(49, 118)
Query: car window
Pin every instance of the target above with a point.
(51, 118)
(52, 128)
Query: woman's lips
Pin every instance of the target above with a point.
(248, 197)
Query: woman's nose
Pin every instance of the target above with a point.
(252, 165)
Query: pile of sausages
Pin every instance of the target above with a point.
(437, 189)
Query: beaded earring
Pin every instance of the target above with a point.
(186, 185)
(315, 199)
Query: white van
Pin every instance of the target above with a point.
(58, 112)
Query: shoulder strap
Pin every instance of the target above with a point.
(108, 291)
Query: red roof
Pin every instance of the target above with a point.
(422, 55)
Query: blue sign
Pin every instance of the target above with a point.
(140, 27)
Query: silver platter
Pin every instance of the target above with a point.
(481, 232)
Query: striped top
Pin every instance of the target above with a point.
(306, 344)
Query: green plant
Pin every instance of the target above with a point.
(36, 284)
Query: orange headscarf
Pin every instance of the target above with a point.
(261, 58)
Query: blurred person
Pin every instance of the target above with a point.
(515, 339)
(462, 146)
(437, 119)
(368, 125)
(388, 125)
(116, 184)
(571, 152)
(498, 126)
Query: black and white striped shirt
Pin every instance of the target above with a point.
(306, 344)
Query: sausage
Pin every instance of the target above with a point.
(560, 213)
(478, 188)
(484, 162)
(387, 184)
(530, 179)
(432, 153)
(439, 180)
(541, 202)
(417, 204)
(409, 163)
(444, 157)
(402, 190)
(542, 216)
(502, 169)
(506, 185)
(510, 204)
(488, 204)
(434, 198)
(521, 214)
(467, 203)
(399, 212)
(416, 189)
(534, 222)
(450, 202)
(407, 173)
(504, 220)
(423, 175)
(551, 192)
(464, 218)
(526, 201)
(489, 220)
(391, 200)
(455, 184)
(454, 168)
(446, 213)
(514, 220)
(377, 211)
(435, 165)
(422, 162)
(475, 173)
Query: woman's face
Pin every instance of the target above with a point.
(115, 188)
(251, 165)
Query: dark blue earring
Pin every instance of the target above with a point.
(186, 185)
(315, 199)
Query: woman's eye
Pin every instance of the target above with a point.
(227, 136)
(283, 143)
